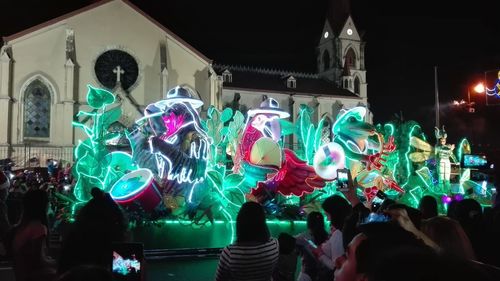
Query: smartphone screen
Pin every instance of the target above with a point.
(311, 243)
(376, 217)
(127, 261)
(343, 179)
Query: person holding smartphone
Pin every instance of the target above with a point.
(337, 210)
(311, 268)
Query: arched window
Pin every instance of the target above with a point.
(350, 58)
(356, 85)
(326, 60)
(37, 110)
(350, 83)
(346, 85)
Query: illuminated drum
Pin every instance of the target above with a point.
(136, 187)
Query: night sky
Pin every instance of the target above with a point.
(405, 40)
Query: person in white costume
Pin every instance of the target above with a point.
(443, 153)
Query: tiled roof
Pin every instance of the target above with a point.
(96, 5)
(274, 80)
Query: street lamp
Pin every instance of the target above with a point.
(479, 88)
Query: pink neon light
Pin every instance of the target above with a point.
(173, 123)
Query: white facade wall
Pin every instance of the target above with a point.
(113, 25)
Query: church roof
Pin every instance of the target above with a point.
(274, 80)
(337, 14)
(96, 5)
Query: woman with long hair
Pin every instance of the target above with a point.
(337, 210)
(29, 240)
(315, 234)
(255, 253)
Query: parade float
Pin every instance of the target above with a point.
(178, 168)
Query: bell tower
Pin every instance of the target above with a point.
(340, 52)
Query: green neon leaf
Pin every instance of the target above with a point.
(235, 127)
(287, 127)
(85, 147)
(232, 180)
(238, 118)
(226, 115)
(98, 98)
(214, 125)
(216, 177)
(82, 189)
(86, 129)
(210, 111)
(111, 116)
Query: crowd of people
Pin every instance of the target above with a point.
(86, 243)
(391, 241)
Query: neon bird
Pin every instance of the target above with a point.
(281, 171)
(359, 139)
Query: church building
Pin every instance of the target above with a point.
(45, 70)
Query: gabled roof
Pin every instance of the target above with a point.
(338, 12)
(272, 80)
(96, 5)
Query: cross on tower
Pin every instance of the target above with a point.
(119, 71)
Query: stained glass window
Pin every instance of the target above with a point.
(37, 110)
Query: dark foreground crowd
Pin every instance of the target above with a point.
(390, 242)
